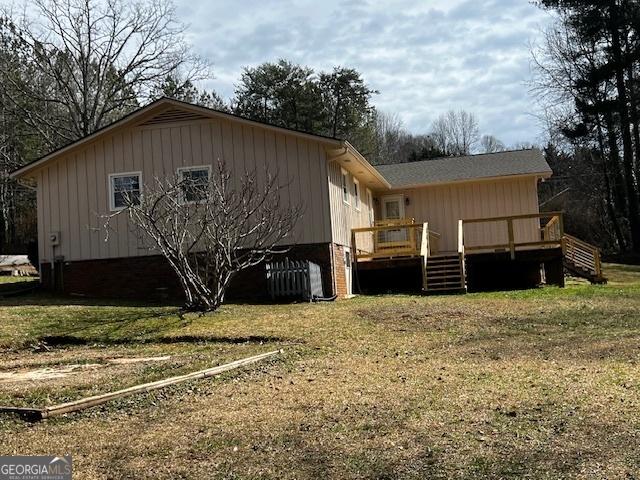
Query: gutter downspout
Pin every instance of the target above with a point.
(24, 183)
(345, 152)
(333, 269)
(334, 286)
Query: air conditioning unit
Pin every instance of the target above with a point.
(294, 278)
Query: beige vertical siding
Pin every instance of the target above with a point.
(442, 206)
(73, 191)
(345, 216)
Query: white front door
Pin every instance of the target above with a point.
(392, 208)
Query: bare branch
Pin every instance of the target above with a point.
(210, 230)
(94, 61)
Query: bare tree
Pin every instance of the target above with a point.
(92, 61)
(490, 144)
(390, 135)
(456, 132)
(209, 229)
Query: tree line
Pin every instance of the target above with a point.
(339, 104)
(587, 79)
(70, 67)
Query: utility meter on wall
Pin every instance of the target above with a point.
(54, 238)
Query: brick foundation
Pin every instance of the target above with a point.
(339, 271)
(151, 277)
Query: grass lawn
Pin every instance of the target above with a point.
(532, 384)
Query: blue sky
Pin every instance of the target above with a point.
(425, 57)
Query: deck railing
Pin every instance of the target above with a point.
(463, 264)
(583, 255)
(549, 235)
(392, 238)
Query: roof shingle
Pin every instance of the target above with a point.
(470, 167)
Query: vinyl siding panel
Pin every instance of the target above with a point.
(345, 216)
(442, 206)
(73, 191)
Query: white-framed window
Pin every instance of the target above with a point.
(194, 182)
(370, 207)
(356, 193)
(345, 186)
(124, 189)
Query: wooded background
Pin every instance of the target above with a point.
(71, 67)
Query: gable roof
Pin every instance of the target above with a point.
(165, 110)
(465, 168)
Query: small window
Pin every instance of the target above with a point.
(125, 189)
(356, 194)
(370, 206)
(345, 186)
(195, 181)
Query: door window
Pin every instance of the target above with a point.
(392, 209)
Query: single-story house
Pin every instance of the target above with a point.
(361, 223)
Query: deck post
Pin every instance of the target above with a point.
(412, 237)
(512, 243)
(424, 252)
(461, 236)
(562, 239)
(598, 263)
(354, 250)
(461, 255)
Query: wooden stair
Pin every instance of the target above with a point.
(444, 273)
(582, 259)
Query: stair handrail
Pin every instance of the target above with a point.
(554, 224)
(575, 245)
(425, 249)
(425, 252)
(434, 242)
(463, 266)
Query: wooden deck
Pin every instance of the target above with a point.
(550, 235)
(393, 244)
(392, 239)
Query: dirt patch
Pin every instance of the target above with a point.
(61, 371)
(46, 373)
(126, 360)
(415, 317)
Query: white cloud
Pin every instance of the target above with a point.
(425, 57)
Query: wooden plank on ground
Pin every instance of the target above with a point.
(83, 403)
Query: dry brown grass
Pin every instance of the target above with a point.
(535, 384)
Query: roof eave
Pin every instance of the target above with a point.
(544, 174)
(365, 163)
(149, 109)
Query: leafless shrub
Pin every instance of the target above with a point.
(209, 229)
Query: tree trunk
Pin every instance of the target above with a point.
(335, 115)
(609, 201)
(633, 107)
(627, 157)
(617, 188)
